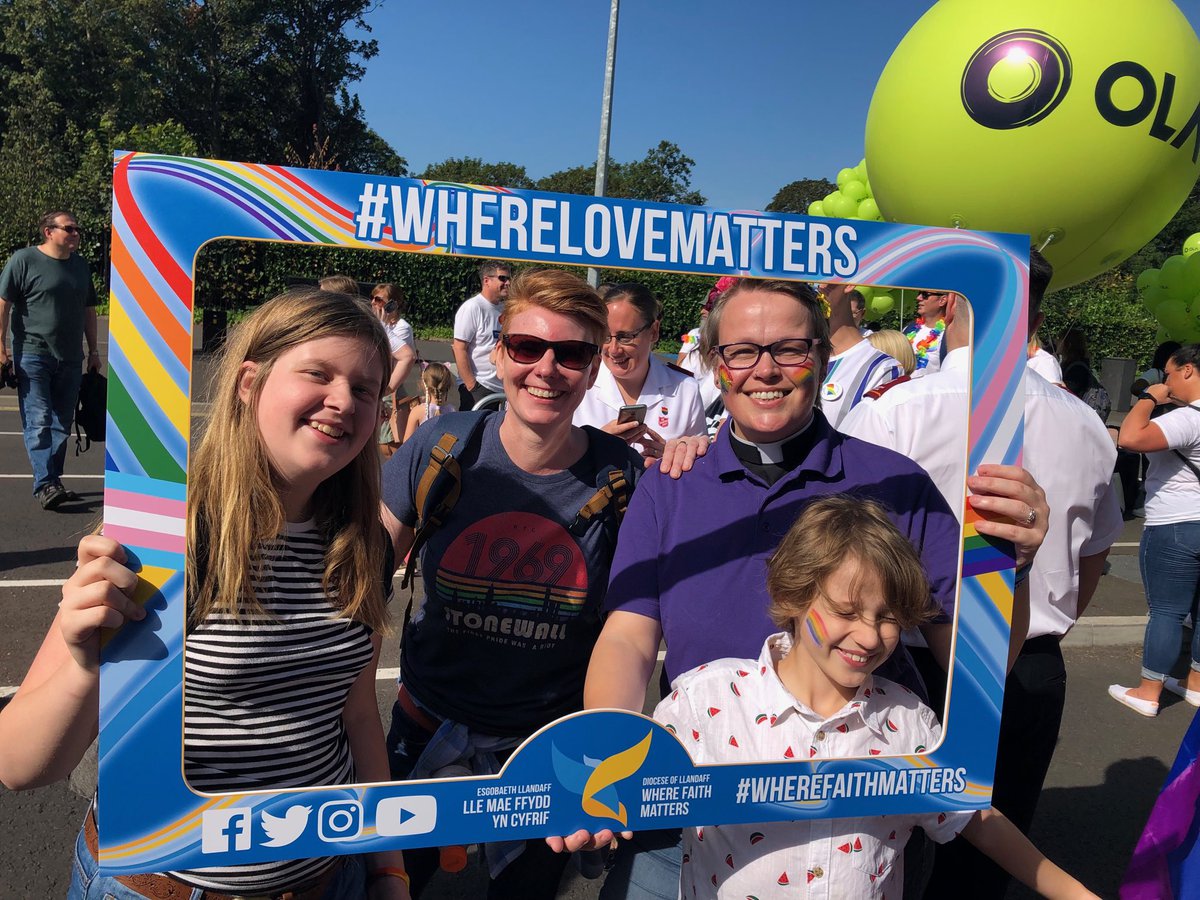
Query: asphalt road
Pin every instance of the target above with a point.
(1108, 769)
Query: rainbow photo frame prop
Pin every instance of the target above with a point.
(588, 770)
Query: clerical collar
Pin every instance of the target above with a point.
(786, 452)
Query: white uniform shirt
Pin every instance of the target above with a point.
(1045, 365)
(850, 375)
(1067, 449)
(476, 323)
(737, 710)
(672, 401)
(1172, 489)
(694, 363)
(400, 334)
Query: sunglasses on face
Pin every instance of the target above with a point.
(934, 294)
(503, 279)
(69, 229)
(527, 349)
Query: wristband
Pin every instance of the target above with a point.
(389, 872)
(1146, 395)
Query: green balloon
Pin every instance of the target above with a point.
(1161, 335)
(817, 208)
(860, 171)
(855, 190)
(1171, 277)
(840, 206)
(1192, 244)
(845, 175)
(1173, 316)
(1191, 274)
(866, 290)
(1152, 297)
(881, 304)
(1032, 153)
(1147, 278)
(868, 209)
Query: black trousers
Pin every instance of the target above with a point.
(1034, 694)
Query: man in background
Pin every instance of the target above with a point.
(475, 327)
(48, 302)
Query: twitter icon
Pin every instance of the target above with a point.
(283, 830)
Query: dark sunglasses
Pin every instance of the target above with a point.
(932, 293)
(527, 349)
(503, 278)
(69, 229)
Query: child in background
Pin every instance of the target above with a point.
(843, 583)
(288, 575)
(437, 384)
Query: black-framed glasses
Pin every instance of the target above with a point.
(528, 349)
(745, 354)
(626, 338)
(69, 229)
(934, 294)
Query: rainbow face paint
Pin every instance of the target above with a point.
(724, 379)
(816, 628)
(799, 375)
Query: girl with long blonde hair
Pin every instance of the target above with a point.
(288, 572)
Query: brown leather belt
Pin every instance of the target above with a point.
(164, 887)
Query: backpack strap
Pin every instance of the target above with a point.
(440, 484)
(614, 484)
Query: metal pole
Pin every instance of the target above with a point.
(610, 65)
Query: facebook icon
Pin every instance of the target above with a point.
(225, 830)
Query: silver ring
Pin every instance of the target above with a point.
(1031, 518)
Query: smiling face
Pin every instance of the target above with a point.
(629, 362)
(767, 402)
(544, 394)
(316, 410)
(845, 635)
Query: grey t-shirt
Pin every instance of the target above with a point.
(512, 596)
(48, 297)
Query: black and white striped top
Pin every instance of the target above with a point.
(263, 698)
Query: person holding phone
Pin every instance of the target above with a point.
(637, 396)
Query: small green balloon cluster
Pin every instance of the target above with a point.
(1172, 294)
(879, 301)
(852, 200)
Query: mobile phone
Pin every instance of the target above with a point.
(634, 412)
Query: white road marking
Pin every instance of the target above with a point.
(389, 674)
(65, 475)
(32, 582)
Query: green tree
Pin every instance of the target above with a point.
(473, 170)
(663, 176)
(796, 197)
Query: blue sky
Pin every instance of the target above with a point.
(758, 92)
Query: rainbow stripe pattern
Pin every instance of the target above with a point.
(164, 210)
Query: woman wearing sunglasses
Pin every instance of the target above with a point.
(633, 377)
(515, 575)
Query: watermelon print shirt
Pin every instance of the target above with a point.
(737, 710)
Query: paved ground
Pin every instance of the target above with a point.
(1108, 769)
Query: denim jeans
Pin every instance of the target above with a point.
(646, 868)
(1170, 562)
(350, 882)
(47, 392)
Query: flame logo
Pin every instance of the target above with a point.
(595, 780)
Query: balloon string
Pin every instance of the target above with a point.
(1047, 242)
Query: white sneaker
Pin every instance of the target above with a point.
(1175, 686)
(1148, 708)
